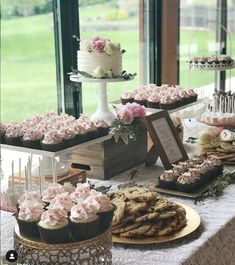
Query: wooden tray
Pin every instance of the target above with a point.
(193, 222)
(193, 195)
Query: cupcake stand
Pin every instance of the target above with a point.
(102, 111)
(96, 250)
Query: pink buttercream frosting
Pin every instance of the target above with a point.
(62, 200)
(51, 191)
(30, 195)
(14, 130)
(30, 210)
(2, 128)
(100, 123)
(54, 217)
(52, 137)
(68, 187)
(82, 191)
(67, 132)
(104, 201)
(32, 134)
(154, 98)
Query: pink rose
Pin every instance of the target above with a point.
(126, 115)
(136, 109)
(98, 44)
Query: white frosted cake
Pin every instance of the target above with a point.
(100, 58)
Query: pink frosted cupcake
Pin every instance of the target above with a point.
(29, 195)
(52, 141)
(141, 99)
(2, 133)
(102, 127)
(14, 133)
(51, 191)
(32, 138)
(82, 191)
(62, 200)
(54, 226)
(91, 130)
(68, 134)
(153, 101)
(84, 221)
(127, 96)
(105, 211)
(29, 215)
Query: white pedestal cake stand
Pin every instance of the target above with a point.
(103, 110)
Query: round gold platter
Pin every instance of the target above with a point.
(193, 222)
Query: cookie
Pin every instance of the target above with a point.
(137, 232)
(119, 212)
(147, 217)
(126, 228)
(133, 207)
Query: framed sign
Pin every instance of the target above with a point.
(165, 138)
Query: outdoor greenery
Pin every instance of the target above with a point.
(28, 81)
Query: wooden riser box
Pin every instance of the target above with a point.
(108, 158)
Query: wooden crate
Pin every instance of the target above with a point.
(108, 158)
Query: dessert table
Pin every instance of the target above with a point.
(212, 243)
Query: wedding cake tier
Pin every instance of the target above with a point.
(99, 58)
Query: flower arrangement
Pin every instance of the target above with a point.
(100, 45)
(127, 123)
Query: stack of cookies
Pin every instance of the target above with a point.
(142, 213)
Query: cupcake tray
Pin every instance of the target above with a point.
(192, 195)
(96, 250)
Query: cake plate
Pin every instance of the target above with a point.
(96, 250)
(103, 110)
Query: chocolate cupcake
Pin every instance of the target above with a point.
(102, 127)
(32, 139)
(54, 226)
(127, 96)
(105, 212)
(14, 133)
(140, 98)
(167, 103)
(68, 135)
(187, 182)
(52, 141)
(168, 179)
(62, 200)
(153, 101)
(84, 222)
(29, 215)
(2, 133)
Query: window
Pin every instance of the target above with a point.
(28, 79)
(199, 31)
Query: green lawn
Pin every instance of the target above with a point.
(28, 83)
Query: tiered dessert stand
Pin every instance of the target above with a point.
(103, 110)
(96, 250)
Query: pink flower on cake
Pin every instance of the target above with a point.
(137, 110)
(126, 115)
(98, 44)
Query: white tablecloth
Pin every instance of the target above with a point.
(213, 243)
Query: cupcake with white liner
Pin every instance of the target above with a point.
(54, 226)
(84, 221)
(32, 138)
(29, 215)
(52, 141)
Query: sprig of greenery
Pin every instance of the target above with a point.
(77, 72)
(217, 188)
(191, 140)
(128, 76)
(102, 189)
